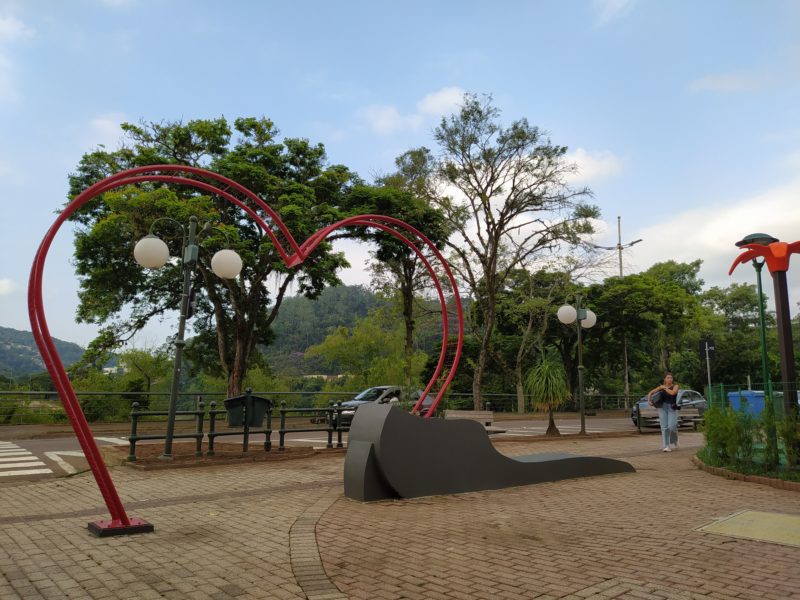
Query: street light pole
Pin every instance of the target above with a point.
(153, 253)
(190, 252)
(583, 319)
(762, 327)
(620, 246)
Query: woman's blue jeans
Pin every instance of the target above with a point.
(668, 418)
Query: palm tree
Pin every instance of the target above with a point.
(546, 384)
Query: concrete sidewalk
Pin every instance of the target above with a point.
(283, 530)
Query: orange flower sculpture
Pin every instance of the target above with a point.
(776, 254)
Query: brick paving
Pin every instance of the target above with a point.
(283, 530)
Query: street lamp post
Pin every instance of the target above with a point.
(619, 248)
(583, 319)
(151, 252)
(764, 240)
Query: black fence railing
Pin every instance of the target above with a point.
(44, 407)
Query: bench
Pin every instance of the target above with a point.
(485, 417)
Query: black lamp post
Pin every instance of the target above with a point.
(151, 252)
(583, 319)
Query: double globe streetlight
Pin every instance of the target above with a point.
(584, 319)
(152, 252)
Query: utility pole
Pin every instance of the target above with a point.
(619, 248)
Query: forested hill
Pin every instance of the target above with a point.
(301, 323)
(19, 355)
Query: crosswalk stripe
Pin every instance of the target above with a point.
(26, 472)
(12, 459)
(19, 452)
(29, 463)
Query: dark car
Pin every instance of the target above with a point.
(381, 394)
(691, 403)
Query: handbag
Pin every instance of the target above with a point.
(658, 399)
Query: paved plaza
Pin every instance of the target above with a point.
(284, 530)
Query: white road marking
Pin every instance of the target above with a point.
(14, 459)
(34, 462)
(68, 468)
(28, 472)
(113, 440)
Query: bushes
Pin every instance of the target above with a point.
(736, 439)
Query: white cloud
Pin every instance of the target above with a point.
(12, 29)
(726, 83)
(710, 232)
(594, 166)
(7, 286)
(104, 129)
(388, 119)
(610, 10)
(443, 102)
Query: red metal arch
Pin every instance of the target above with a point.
(120, 522)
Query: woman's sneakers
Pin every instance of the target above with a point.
(667, 449)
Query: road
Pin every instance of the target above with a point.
(24, 460)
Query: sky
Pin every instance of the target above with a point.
(683, 116)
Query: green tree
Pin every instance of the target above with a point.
(511, 203)
(523, 307)
(546, 383)
(371, 352)
(398, 269)
(230, 317)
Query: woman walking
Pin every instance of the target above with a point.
(665, 400)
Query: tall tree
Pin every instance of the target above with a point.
(524, 305)
(511, 202)
(230, 317)
(403, 195)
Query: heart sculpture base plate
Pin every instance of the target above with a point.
(109, 528)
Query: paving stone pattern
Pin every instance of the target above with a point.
(284, 531)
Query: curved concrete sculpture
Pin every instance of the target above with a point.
(391, 454)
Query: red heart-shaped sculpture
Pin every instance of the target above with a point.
(293, 256)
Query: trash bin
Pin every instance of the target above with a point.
(235, 407)
(751, 401)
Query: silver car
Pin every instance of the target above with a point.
(692, 407)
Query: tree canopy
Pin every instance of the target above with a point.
(230, 317)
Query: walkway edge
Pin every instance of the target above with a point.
(304, 552)
(780, 484)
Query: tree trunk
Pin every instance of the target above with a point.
(520, 389)
(551, 425)
(480, 366)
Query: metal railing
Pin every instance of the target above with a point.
(44, 407)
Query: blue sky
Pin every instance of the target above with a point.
(683, 116)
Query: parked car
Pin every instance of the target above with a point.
(381, 394)
(692, 404)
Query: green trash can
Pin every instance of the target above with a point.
(236, 408)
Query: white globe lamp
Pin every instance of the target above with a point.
(151, 252)
(226, 264)
(567, 314)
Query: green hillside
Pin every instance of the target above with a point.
(19, 355)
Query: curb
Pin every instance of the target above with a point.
(780, 484)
